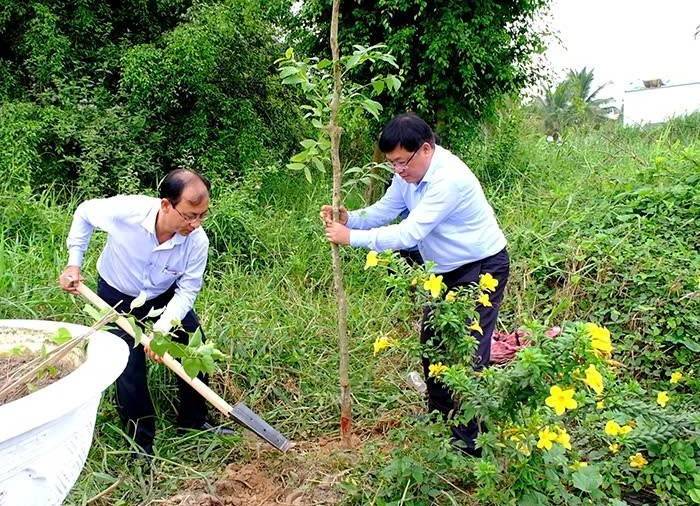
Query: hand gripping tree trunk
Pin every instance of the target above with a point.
(331, 93)
(335, 131)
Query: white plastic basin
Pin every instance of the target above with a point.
(45, 436)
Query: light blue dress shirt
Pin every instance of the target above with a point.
(133, 261)
(449, 218)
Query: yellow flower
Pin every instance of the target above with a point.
(372, 260)
(676, 377)
(662, 399)
(561, 400)
(381, 343)
(435, 370)
(625, 429)
(434, 285)
(578, 465)
(594, 379)
(600, 405)
(564, 439)
(612, 428)
(451, 296)
(600, 338)
(638, 460)
(547, 437)
(475, 326)
(487, 282)
(520, 445)
(614, 448)
(484, 300)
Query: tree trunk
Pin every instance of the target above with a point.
(335, 131)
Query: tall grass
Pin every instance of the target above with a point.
(268, 301)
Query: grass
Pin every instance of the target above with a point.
(268, 301)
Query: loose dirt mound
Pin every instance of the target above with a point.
(297, 479)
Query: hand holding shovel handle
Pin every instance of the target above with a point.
(240, 412)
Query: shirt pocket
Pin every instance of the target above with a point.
(164, 275)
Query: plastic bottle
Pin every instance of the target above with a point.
(415, 381)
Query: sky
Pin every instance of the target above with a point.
(626, 41)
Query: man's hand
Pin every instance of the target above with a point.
(156, 358)
(327, 215)
(337, 233)
(70, 278)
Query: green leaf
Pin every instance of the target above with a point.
(295, 166)
(372, 107)
(323, 64)
(587, 479)
(393, 82)
(295, 79)
(61, 336)
(191, 366)
(107, 478)
(309, 143)
(159, 345)
(307, 173)
(378, 86)
(195, 338)
(694, 494)
(155, 312)
(136, 328)
(319, 165)
(289, 53)
(92, 312)
(352, 61)
(288, 71)
(138, 301)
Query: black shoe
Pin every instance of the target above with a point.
(464, 448)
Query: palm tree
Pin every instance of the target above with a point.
(554, 109)
(583, 101)
(572, 101)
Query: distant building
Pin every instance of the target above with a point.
(654, 101)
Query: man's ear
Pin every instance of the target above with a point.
(165, 205)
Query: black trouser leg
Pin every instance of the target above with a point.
(134, 403)
(192, 409)
(439, 397)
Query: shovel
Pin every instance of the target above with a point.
(241, 413)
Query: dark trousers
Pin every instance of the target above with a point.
(133, 398)
(439, 397)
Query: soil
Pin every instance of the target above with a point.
(309, 474)
(18, 347)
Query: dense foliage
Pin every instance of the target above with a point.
(458, 58)
(106, 97)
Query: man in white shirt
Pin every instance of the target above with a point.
(449, 220)
(156, 247)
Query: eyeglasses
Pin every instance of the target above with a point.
(189, 218)
(396, 165)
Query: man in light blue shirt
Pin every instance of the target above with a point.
(449, 220)
(155, 247)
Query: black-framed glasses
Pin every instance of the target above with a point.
(403, 164)
(189, 218)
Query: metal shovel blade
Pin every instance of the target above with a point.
(248, 419)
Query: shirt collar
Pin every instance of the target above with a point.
(149, 223)
(432, 169)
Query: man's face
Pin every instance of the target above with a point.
(411, 166)
(187, 215)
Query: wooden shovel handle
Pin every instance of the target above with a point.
(168, 360)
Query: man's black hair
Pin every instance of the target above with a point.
(176, 181)
(407, 131)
